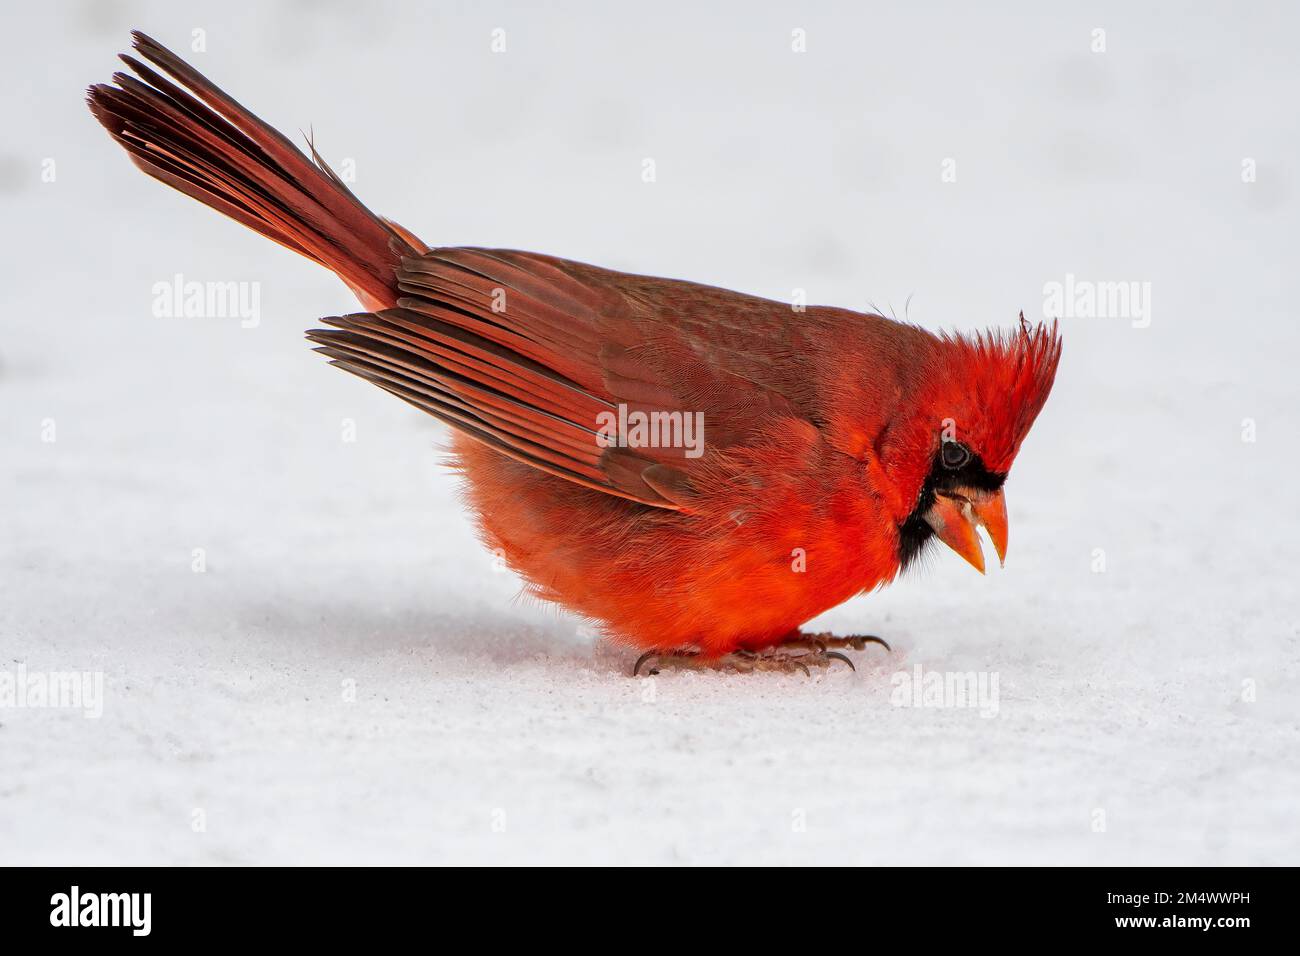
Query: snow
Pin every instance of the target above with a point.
(350, 680)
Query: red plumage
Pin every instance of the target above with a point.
(835, 444)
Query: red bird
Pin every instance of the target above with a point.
(700, 471)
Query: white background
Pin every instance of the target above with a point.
(328, 562)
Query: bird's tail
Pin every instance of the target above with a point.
(195, 138)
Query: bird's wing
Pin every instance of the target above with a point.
(539, 357)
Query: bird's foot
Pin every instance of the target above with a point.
(800, 654)
(857, 642)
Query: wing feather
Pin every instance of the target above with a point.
(534, 355)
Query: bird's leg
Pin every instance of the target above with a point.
(800, 653)
(654, 661)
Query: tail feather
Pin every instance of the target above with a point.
(193, 137)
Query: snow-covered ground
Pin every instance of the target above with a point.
(350, 680)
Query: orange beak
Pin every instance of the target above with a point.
(955, 518)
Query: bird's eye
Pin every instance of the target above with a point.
(954, 454)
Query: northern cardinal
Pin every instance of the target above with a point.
(700, 471)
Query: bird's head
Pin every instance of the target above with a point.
(976, 399)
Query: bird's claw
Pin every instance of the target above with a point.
(837, 656)
(636, 670)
